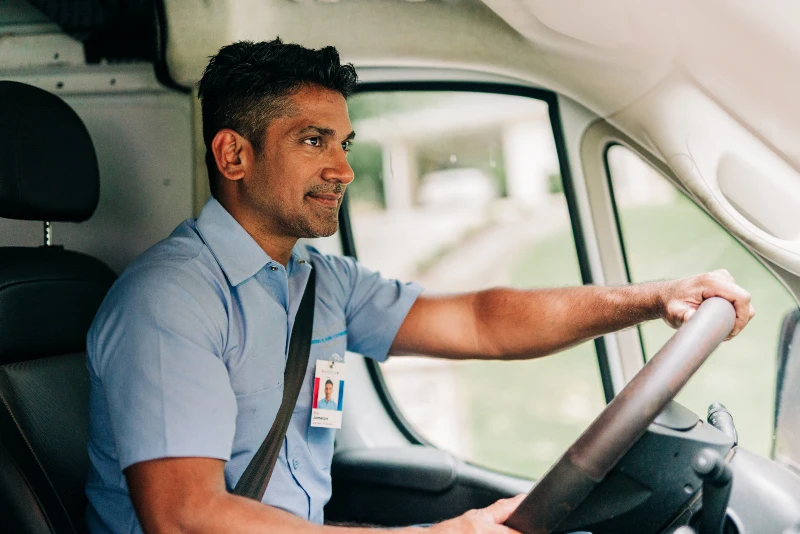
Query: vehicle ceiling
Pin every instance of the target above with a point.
(709, 87)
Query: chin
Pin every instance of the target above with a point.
(328, 231)
(321, 230)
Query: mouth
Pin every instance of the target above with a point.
(330, 200)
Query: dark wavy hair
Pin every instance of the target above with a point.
(247, 84)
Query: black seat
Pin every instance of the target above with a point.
(48, 298)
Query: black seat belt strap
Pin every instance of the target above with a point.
(254, 480)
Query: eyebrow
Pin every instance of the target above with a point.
(325, 131)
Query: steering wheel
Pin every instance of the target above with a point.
(623, 421)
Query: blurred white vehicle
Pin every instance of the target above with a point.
(456, 187)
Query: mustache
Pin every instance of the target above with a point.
(327, 189)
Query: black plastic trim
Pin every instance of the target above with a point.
(346, 228)
(613, 198)
(348, 242)
(160, 65)
(396, 415)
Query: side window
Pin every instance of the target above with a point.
(666, 235)
(461, 191)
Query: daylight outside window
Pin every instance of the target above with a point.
(461, 191)
(667, 236)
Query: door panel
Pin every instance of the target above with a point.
(411, 485)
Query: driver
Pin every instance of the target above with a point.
(187, 352)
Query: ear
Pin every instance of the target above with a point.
(232, 153)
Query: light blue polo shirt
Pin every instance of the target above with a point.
(187, 352)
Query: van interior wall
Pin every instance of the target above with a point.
(142, 133)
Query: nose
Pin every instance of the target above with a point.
(338, 168)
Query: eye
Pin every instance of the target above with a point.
(346, 146)
(313, 141)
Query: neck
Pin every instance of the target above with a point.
(278, 247)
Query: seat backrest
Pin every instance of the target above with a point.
(48, 298)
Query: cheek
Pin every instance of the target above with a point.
(286, 189)
(297, 177)
(289, 177)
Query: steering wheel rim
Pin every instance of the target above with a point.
(623, 421)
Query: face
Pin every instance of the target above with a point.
(328, 391)
(297, 183)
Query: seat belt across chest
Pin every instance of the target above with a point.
(254, 480)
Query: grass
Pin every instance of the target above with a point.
(525, 414)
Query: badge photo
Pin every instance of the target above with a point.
(326, 409)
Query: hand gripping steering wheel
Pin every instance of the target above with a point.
(623, 421)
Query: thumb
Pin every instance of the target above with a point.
(502, 509)
(678, 312)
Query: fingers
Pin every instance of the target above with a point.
(678, 312)
(724, 274)
(684, 296)
(487, 520)
(502, 509)
(720, 283)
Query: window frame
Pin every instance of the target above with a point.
(680, 190)
(348, 240)
(618, 223)
(665, 172)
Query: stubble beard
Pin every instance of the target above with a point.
(309, 223)
(307, 227)
(329, 218)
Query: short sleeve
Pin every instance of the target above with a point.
(155, 347)
(374, 307)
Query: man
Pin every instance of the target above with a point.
(327, 403)
(187, 352)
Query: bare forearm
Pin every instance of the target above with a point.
(515, 324)
(233, 514)
(224, 512)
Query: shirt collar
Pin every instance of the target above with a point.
(237, 253)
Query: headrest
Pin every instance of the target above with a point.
(48, 299)
(48, 167)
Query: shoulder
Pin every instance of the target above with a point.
(174, 279)
(181, 262)
(334, 273)
(329, 263)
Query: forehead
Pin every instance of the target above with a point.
(321, 107)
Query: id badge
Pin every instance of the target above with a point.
(326, 410)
